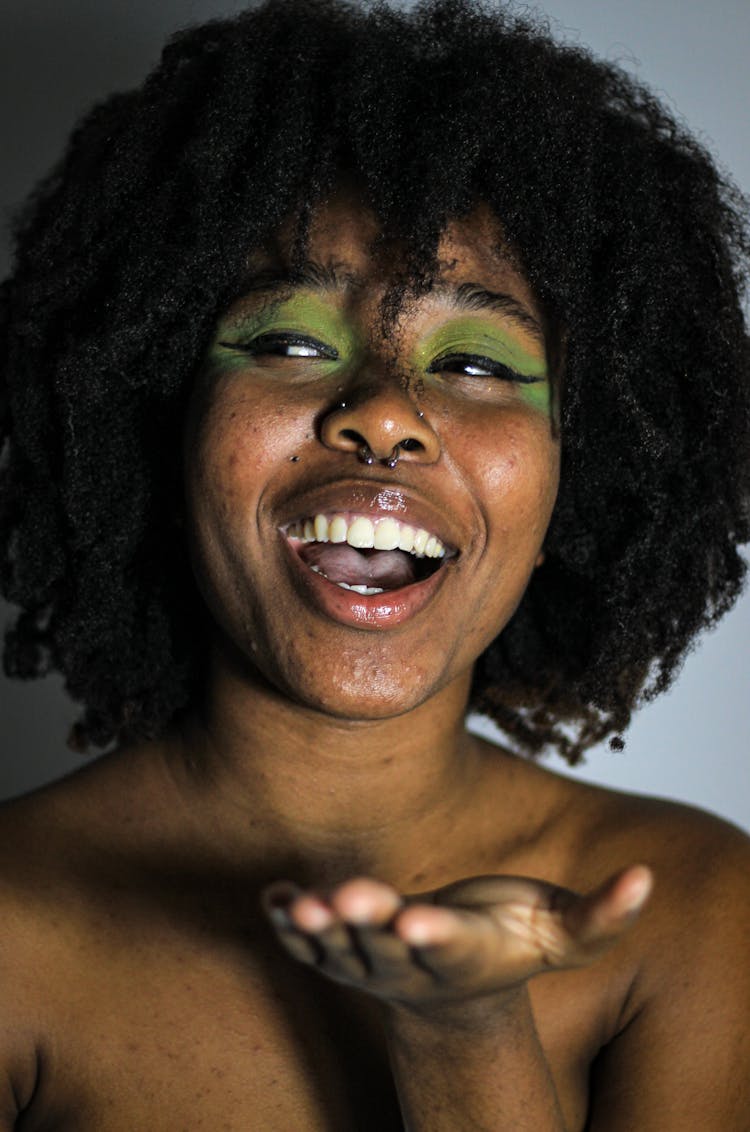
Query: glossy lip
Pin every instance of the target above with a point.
(376, 611)
(375, 501)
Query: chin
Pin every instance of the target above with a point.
(376, 682)
(367, 692)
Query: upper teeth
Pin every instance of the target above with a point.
(361, 532)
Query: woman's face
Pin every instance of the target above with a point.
(356, 587)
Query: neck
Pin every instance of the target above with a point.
(330, 796)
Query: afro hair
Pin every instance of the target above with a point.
(128, 252)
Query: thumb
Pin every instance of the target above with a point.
(599, 917)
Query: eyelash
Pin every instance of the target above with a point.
(265, 343)
(457, 362)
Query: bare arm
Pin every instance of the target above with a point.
(441, 1071)
(18, 1060)
(451, 970)
(681, 1059)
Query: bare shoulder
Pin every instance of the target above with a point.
(54, 845)
(691, 851)
(42, 837)
(30, 917)
(699, 912)
(51, 851)
(700, 861)
(699, 922)
(576, 834)
(680, 1053)
(676, 1055)
(18, 1047)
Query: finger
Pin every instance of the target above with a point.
(449, 943)
(599, 917)
(426, 925)
(311, 930)
(368, 908)
(302, 947)
(341, 956)
(276, 900)
(390, 959)
(366, 901)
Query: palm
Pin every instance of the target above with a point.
(473, 938)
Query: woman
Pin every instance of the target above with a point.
(321, 429)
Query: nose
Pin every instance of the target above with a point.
(382, 421)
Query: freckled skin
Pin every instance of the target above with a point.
(494, 467)
(135, 950)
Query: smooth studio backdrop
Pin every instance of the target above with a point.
(56, 59)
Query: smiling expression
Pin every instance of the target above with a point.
(361, 588)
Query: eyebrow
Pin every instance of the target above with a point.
(309, 274)
(316, 276)
(471, 297)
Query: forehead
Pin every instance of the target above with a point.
(344, 250)
(344, 229)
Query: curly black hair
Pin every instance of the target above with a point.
(634, 243)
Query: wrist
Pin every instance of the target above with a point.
(485, 1014)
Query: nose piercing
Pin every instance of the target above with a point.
(366, 455)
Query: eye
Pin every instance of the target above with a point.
(476, 365)
(284, 346)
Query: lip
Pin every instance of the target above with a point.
(376, 612)
(375, 500)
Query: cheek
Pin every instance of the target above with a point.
(234, 444)
(516, 460)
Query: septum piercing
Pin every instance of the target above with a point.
(367, 456)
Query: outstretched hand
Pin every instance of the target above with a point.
(474, 938)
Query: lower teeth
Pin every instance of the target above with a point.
(368, 591)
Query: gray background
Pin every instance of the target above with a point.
(56, 59)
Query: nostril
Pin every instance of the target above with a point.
(410, 444)
(352, 434)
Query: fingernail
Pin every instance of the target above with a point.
(279, 916)
(278, 897)
(416, 934)
(640, 889)
(316, 918)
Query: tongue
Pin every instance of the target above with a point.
(388, 569)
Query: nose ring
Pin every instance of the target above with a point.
(367, 457)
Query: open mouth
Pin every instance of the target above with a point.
(367, 555)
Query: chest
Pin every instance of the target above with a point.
(184, 1038)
